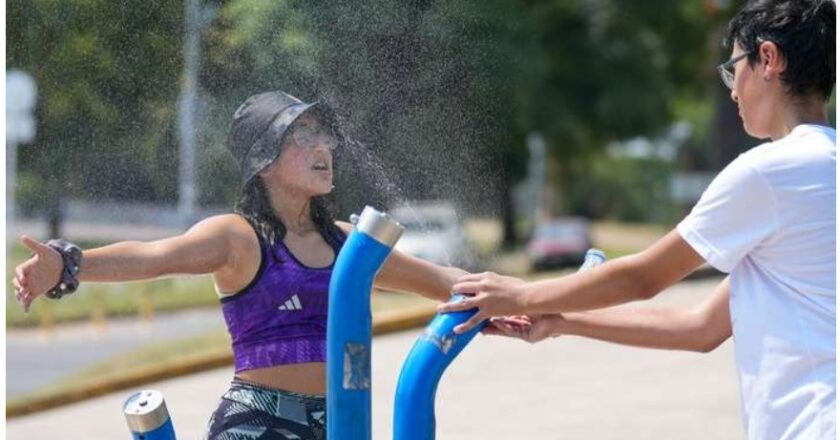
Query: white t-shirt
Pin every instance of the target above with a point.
(769, 219)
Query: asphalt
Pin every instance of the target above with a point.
(31, 354)
(566, 388)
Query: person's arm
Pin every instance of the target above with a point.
(701, 328)
(405, 273)
(208, 247)
(635, 277)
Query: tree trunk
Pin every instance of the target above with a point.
(54, 209)
(509, 238)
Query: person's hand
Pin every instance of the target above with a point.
(530, 329)
(491, 293)
(38, 274)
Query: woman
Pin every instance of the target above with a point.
(768, 220)
(271, 262)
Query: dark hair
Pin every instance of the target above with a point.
(804, 32)
(254, 205)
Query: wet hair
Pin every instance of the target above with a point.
(255, 206)
(804, 32)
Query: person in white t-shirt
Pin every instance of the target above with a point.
(768, 220)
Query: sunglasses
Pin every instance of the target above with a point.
(309, 136)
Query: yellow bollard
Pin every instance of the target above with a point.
(47, 320)
(145, 306)
(98, 312)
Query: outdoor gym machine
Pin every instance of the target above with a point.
(349, 340)
(349, 334)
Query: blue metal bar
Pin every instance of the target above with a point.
(435, 349)
(349, 325)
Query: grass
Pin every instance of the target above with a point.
(99, 301)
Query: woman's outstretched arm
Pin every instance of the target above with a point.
(405, 273)
(210, 246)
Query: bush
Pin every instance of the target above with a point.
(624, 189)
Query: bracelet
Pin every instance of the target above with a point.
(71, 255)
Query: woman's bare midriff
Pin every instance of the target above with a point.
(308, 378)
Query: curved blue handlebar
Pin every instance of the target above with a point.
(435, 349)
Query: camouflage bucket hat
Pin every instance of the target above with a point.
(258, 128)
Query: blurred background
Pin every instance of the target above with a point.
(505, 134)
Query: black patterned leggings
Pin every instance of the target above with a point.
(249, 412)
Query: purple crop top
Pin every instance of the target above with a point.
(280, 318)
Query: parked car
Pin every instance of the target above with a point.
(559, 242)
(434, 233)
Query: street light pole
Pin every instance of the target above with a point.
(536, 177)
(11, 180)
(187, 112)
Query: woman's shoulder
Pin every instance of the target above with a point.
(223, 221)
(233, 226)
(245, 251)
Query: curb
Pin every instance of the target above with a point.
(383, 323)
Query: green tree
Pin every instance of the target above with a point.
(107, 73)
(614, 70)
(429, 91)
(437, 97)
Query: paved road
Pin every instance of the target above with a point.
(97, 231)
(568, 388)
(35, 358)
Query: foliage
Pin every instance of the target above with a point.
(625, 189)
(107, 75)
(612, 68)
(437, 96)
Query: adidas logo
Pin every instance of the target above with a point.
(291, 304)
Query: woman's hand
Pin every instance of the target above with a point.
(38, 274)
(530, 329)
(491, 293)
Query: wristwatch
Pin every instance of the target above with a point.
(71, 255)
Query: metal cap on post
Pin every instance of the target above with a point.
(378, 225)
(145, 412)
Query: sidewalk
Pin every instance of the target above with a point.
(567, 388)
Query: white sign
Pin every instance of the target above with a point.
(20, 129)
(21, 96)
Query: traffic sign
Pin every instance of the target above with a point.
(21, 97)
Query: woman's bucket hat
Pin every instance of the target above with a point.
(258, 128)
